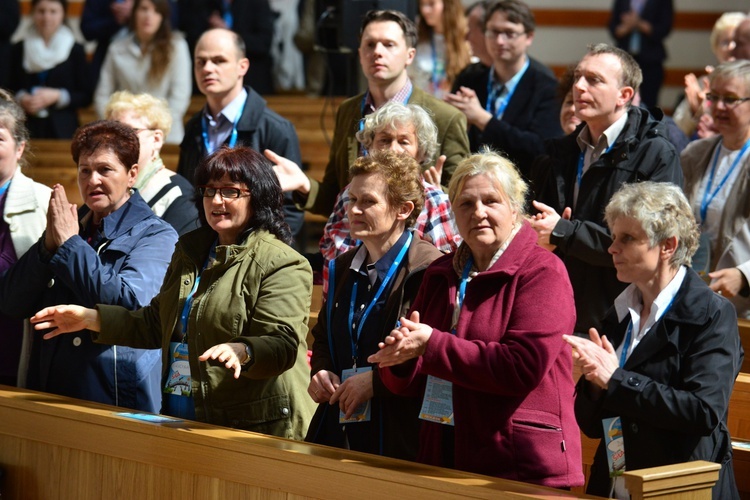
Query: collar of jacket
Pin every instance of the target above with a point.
(690, 307)
(20, 197)
(124, 218)
(253, 111)
(196, 244)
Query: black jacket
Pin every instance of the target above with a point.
(641, 152)
(258, 128)
(72, 75)
(532, 115)
(394, 427)
(673, 392)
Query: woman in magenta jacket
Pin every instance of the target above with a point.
(484, 344)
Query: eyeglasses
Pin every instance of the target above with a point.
(729, 101)
(504, 35)
(139, 130)
(225, 192)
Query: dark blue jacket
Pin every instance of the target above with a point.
(126, 268)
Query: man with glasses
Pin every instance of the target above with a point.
(234, 115)
(510, 106)
(619, 143)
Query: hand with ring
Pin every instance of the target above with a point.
(322, 386)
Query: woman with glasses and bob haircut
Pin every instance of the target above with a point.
(717, 178)
(231, 316)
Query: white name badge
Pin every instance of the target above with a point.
(437, 405)
(362, 412)
(178, 378)
(614, 443)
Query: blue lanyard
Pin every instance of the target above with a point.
(629, 336)
(4, 187)
(362, 111)
(436, 72)
(581, 159)
(354, 335)
(709, 196)
(227, 14)
(493, 93)
(232, 138)
(462, 286)
(189, 299)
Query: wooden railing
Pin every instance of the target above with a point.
(56, 447)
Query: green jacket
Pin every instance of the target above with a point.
(258, 293)
(452, 142)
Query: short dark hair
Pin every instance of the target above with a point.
(516, 12)
(247, 166)
(566, 82)
(109, 135)
(381, 16)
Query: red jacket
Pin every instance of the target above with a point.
(510, 368)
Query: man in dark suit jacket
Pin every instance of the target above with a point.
(511, 107)
(234, 115)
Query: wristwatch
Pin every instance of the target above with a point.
(248, 356)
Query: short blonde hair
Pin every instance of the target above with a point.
(503, 174)
(728, 20)
(662, 211)
(153, 110)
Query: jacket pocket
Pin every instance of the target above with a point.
(538, 446)
(272, 416)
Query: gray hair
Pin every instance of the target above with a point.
(663, 211)
(739, 68)
(394, 114)
(501, 171)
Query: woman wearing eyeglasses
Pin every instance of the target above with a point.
(231, 316)
(717, 178)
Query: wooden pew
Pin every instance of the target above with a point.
(56, 447)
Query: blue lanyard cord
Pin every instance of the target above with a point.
(329, 308)
(189, 299)
(232, 138)
(708, 195)
(462, 288)
(493, 93)
(4, 187)
(629, 335)
(581, 159)
(355, 334)
(436, 73)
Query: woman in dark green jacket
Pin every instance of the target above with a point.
(231, 316)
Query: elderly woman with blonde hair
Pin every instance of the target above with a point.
(659, 375)
(169, 194)
(483, 347)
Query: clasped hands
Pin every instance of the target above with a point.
(62, 220)
(595, 356)
(544, 223)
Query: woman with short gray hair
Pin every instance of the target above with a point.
(656, 380)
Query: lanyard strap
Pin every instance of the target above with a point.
(4, 187)
(462, 291)
(232, 137)
(329, 308)
(355, 334)
(629, 335)
(581, 159)
(708, 195)
(189, 299)
(493, 93)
